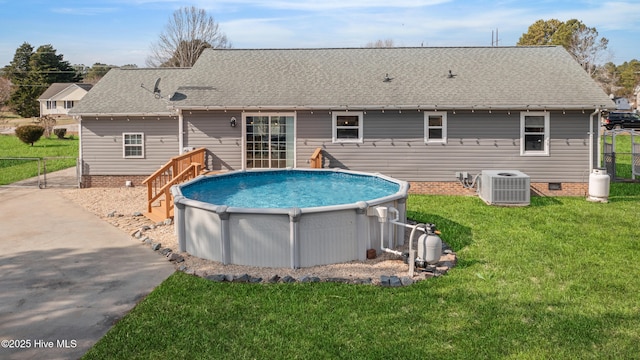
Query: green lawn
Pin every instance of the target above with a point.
(555, 280)
(15, 170)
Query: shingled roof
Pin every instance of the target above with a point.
(130, 92)
(544, 77)
(56, 88)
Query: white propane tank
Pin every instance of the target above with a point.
(430, 248)
(599, 186)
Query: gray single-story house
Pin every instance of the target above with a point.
(424, 115)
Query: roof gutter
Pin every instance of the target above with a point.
(87, 115)
(433, 107)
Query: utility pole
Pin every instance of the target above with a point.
(496, 41)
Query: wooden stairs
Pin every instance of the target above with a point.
(178, 169)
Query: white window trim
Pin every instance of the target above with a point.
(68, 104)
(124, 145)
(544, 152)
(335, 127)
(442, 140)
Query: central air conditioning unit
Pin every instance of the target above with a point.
(504, 187)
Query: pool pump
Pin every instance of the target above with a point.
(429, 246)
(429, 243)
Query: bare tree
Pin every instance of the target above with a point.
(188, 33)
(5, 94)
(5, 91)
(47, 122)
(386, 43)
(581, 41)
(585, 46)
(607, 76)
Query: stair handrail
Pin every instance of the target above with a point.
(157, 181)
(316, 159)
(187, 174)
(178, 179)
(172, 163)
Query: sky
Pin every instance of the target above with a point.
(121, 32)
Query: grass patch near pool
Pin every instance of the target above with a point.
(556, 279)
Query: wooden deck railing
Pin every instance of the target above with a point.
(178, 169)
(316, 159)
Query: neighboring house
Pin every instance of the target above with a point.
(59, 98)
(417, 114)
(622, 104)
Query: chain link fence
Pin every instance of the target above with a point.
(46, 172)
(621, 154)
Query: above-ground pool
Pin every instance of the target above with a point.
(286, 218)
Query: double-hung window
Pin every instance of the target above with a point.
(51, 104)
(534, 133)
(347, 126)
(68, 104)
(133, 145)
(435, 127)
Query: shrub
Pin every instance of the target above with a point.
(29, 134)
(60, 133)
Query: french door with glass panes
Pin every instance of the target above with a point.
(269, 140)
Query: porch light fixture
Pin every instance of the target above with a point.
(233, 121)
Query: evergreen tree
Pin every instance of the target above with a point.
(52, 67)
(31, 73)
(23, 93)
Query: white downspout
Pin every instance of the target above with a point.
(79, 164)
(597, 111)
(180, 132)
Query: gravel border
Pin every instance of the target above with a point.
(123, 208)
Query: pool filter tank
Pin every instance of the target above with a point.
(430, 245)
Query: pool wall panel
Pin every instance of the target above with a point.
(259, 239)
(328, 237)
(203, 233)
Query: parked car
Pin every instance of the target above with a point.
(621, 120)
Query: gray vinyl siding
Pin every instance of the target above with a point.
(394, 145)
(102, 145)
(212, 130)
